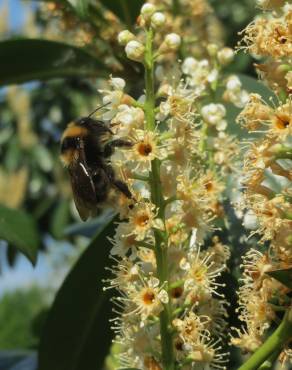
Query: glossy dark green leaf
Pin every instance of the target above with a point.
(24, 60)
(126, 10)
(60, 218)
(284, 276)
(11, 255)
(20, 230)
(77, 333)
(82, 8)
(253, 85)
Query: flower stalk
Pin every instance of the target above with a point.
(170, 309)
(273, 344)
(160, 248)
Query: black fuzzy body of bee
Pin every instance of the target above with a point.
(86, 148)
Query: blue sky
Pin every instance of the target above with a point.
(50, 270)
(23, 274)
(17, 12)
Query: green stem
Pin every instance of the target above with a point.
(273, 344)
(149, 82)
(166, 329)
(160, 248)
(203, 139)
(268, 364)
(175, 7)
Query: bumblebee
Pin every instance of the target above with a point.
(86, 148)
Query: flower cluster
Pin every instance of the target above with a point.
(171, 306)
(267, 181)
(195, 19)
(270, 35)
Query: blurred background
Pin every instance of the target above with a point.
(33, 184)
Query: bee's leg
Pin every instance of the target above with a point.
(120, 185)
(109, 148)
(123, 188)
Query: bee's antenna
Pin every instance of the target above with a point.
(98, 108)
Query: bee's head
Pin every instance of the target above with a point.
(83, 121)
(89, 122)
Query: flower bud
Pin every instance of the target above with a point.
(135, 50)
(171, 43)
(117, 83)
(233, 83)
(124, 37)
(225, 56)
(157, 20)
(212, 49)
(147, 10)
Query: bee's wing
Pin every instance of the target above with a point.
(83, 190)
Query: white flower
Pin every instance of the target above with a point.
(127, 119)
(189, 65)
(112, 98)
(234, 92)
(135, 50)
(214, 114)
(124, 37)
(199, 73)
(117, 83)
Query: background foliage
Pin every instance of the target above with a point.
(35, 197)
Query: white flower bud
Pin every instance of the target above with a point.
(172, 41)
(147, 10)
(225, 56)
(212, 76)
(233, 83)
(124, 37)
(117, 83)
(135, 50)
(153, 282)
(163, 296)
(157, 19)
(189, 65)
(184, 264)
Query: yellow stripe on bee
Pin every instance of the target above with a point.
(74, 130)
(69, 156)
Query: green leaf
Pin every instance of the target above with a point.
(126, 10)
(23, 60)
(77, 333)
(19, 229)
(82, 8)
(253, 85)
(284, 276)
(60, 218)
